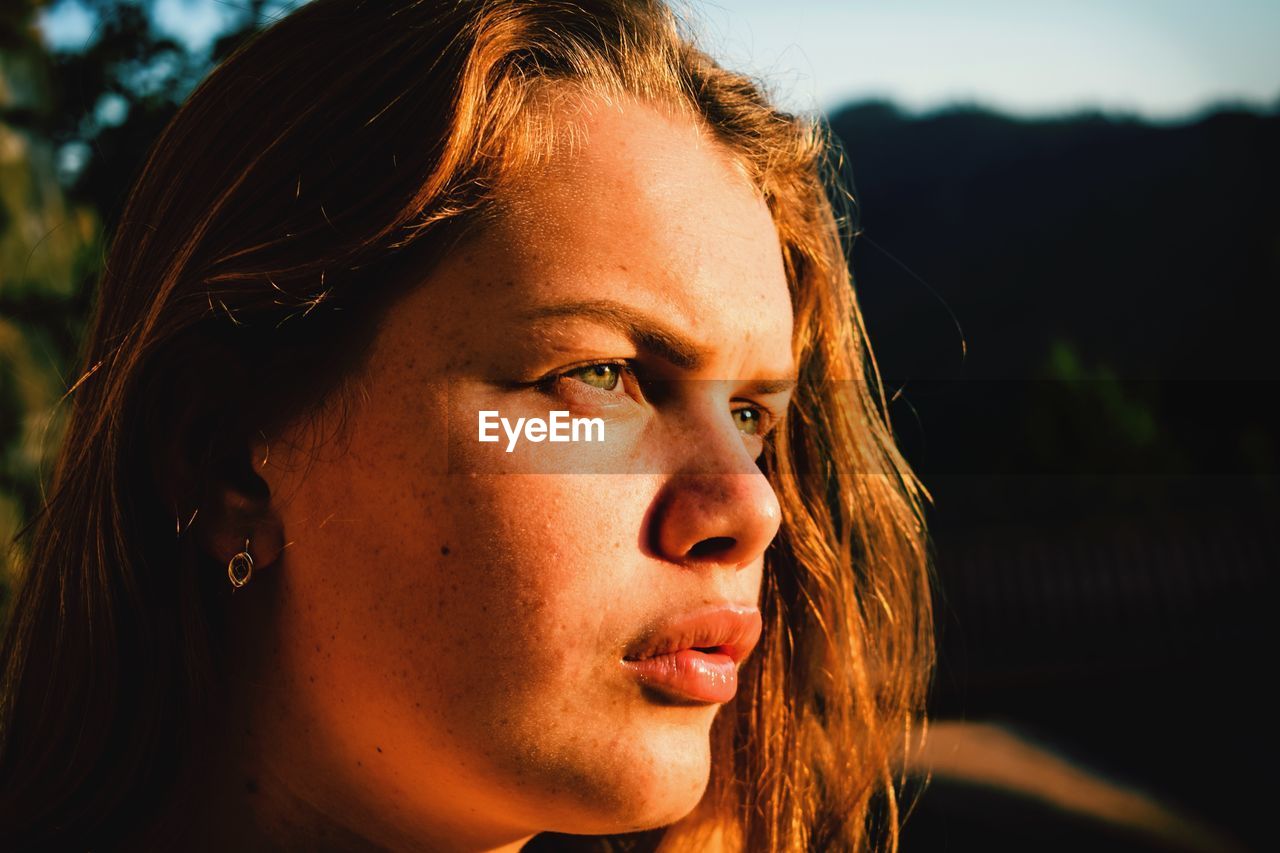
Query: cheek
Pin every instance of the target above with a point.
(551, 558)
(558, 590)
(474, 593)
(540, 596)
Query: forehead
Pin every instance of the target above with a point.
(645, 205)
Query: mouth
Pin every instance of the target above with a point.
(695, 656)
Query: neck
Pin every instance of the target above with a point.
(225, 802)
(232, 798)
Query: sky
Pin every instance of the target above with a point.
(1160, 59)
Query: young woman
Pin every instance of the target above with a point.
(289, 592)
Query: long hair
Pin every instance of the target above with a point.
(280, 210)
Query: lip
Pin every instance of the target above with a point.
(695, 656)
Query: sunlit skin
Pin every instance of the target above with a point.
(433, 661)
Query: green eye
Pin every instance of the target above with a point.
(749, 421)
(602, 376)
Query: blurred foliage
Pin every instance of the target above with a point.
(75, 126)
(1096, 431)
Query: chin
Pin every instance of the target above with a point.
(655, 790)
(655, 810)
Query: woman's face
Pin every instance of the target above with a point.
(446, 653)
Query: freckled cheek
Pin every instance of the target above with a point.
(544, 568)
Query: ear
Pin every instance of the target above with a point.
(208, 457)
(240, 505)
(210, 464)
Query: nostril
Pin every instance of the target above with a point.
(712, 546)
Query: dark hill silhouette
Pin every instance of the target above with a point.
(1153, 248)
(1102, 450)
(1111, 282)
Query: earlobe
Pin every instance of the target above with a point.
(236, 520)
(243, 530)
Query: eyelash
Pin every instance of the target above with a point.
(768, 420)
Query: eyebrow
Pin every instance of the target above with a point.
(646, 332)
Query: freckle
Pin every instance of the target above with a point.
(313, 679)
(379, 749)
(317, 647)
(359, 764)
(444, 549)
(622, 267)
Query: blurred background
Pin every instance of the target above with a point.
(1067, 250)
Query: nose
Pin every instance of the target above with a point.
(704, 518)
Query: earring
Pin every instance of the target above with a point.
(240, 569)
